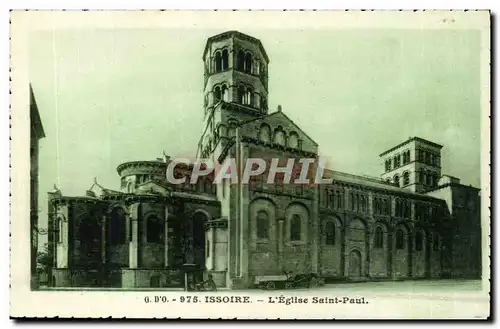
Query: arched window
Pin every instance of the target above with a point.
(207, 186)
(241, 94)
(265, 133)
(400, 239)
(154, 230)
(387, 210)
(217, 94)
(406, 209)
(257, 67)
(397, 161)
(425, 212)
(379, 238)
(240, 60)
(406, 178)
(331, 200)
(363, 203)
(435, 242)
(330, 234)
(279, 136)
(352, 201)
(248, 63)
(295, 228)
(396, 180)
(339, 200)
(418, 211)
(262, 225)
(59, 233)
(218, 62)
(225, 59)
(116, 227)
(224, 93)
(357, 202)
(293, 140)
(249, 97)
(419, 241)
(434, 179)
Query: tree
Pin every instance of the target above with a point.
(44, 259)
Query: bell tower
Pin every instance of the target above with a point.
(235, 86)
(235, 71)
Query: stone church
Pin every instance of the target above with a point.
(413, 222)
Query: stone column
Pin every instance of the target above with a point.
(315, 239)
(344, 255)
(134, 238)
(212, 247)
(244, 231)
(231, 59)
(280, 241)
(367, 252)
(410, 253)
(165, 237)
(389, 251)
(133, 244)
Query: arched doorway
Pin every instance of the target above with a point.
(198, 228)
(355, 263)
(356, 241)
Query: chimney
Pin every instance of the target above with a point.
(279, 108)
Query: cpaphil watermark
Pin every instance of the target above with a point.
(302, 171)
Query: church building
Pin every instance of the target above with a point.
(413, 222)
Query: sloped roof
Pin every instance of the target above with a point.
(276, 113)
(36, 121)
(371, 182)
(230, 34)
(412, 139)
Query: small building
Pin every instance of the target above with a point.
(36, 133)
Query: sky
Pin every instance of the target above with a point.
(108, 96)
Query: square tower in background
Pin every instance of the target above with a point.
(414, 164)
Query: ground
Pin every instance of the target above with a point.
(368, 287)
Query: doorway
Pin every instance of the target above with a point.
(199, 239)
(355, 263)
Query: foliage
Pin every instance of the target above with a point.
(44, 259)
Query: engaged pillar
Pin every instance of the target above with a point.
(134, 237)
